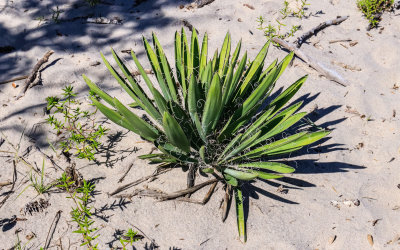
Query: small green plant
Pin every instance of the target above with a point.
(373, 9)
(56, 14)
(81, 213)
(128, 238)
(38, 185)
(213, 116)
(271, 30)
(78, 130)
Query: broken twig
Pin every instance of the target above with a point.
(14, 79)
(137, 182)
(33, 74)
(323, 70)
(52, 229)
(320, 27)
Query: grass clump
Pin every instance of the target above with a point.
(77, 129)
(212, 115)
(373, 9)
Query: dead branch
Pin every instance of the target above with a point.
(226, 202)
(323, 70)
(127, 171)
(33, 74)
(52, 229)
(137, 182)
(187, 191)
(320, 27)
(14, 79)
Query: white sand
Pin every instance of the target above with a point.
(304, 218)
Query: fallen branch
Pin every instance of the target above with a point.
(323, 70)
(14, 79)
(320, 27)
(33, 74)
(187, 191)
(137, 182)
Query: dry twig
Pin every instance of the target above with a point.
(52, 229)
(137, 182)
(320, 27)
(33, 74)
(323, 70)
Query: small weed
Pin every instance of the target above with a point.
(271, 30)
(78, 130)
(128, 238)
(56, 15)
(38, 185)
(373, 9)
(82, 213)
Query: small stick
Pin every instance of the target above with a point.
(187, 191)
(323, 70)
(137, 182)
(226, 202)
(49, 158)
(32, 75)
(14, 79)
(340, 40)
(52, 229)
(209, 193)
(127, 171)
(13, 185)
(320, 27)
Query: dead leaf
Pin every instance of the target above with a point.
(370, 239)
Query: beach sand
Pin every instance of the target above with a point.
(344, 188)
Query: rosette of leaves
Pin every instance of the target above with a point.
(213, 115)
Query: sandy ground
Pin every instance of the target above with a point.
(358, 162)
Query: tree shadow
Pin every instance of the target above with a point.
(65, 32)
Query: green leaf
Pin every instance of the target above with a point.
(267, 176)
(139, 96)
(224, 55)
(243, 146)
(166, 69)
(114, 116)
(258, 61)
(195, 53)
(174, 133)
(157, 69)
(93, 87)
(285, 96)
(180, 70)
(245, 176)
(241, 224)
(203, 56)
(213, 106)
(299, 143)
(231, 180)
(144, 129)
(273, 166)
(150, 156)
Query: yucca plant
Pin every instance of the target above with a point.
(211, 115)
